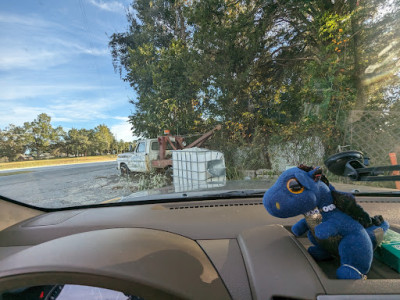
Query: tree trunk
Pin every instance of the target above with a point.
(180, 23)
(361, 99)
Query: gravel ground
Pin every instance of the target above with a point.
(70, 185)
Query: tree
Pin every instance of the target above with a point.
(227, 61)
(13, 141)
(102, 139)
(272, 67)
(119, 146)
(39, 136)
(157, 61)
(78, 141)
(42, 134)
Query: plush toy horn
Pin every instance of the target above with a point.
(316, 174)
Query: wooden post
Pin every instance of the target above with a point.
(393, 161)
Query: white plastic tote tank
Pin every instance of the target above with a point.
(198, 168)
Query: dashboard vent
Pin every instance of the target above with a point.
(211, 205)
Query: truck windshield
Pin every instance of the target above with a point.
(141, 147)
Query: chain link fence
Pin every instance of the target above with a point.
(375, 133)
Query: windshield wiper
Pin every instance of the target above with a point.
(377, 194)
(198, 195)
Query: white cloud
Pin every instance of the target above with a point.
(113, 6)
(81, 110)
(17, 115)
(123, 130)
(77, 48)
(95, 51)
(29, 42)
(121, 118)
(16, 89)
(14, 56)
(24, 20)
(72, 111)
(43, 54)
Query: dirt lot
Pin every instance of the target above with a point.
(69, 185)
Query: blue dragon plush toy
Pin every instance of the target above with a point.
(335, 223)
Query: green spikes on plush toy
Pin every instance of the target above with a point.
(335, 223)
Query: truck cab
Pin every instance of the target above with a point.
(140, 159)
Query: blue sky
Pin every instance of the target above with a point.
(54, 58)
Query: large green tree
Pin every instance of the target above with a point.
(232, 61)
(13, 141)
(158, 64)
(42, 134)
(102, 139)
(286, 68)
(78, 141)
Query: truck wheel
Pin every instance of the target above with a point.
(168, 172)
(124, 170)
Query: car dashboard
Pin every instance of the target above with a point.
(213, 249)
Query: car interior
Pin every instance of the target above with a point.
(209, 249)
(284, 84)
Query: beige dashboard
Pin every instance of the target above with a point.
(217, 249)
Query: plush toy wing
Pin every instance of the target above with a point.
(347, 203)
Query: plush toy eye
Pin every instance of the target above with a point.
(294, 186)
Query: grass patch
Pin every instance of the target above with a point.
(14, 173)
(55, 162)
(152, 181)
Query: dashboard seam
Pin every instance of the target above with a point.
(309, 259)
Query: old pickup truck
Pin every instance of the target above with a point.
(156, 154)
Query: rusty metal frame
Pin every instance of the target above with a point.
(163, 140)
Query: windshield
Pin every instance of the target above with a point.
(102, 101)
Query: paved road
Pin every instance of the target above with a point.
(67, 185)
